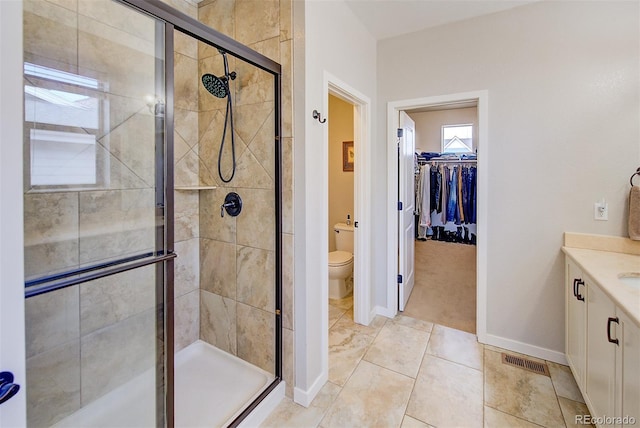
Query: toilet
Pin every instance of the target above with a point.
(341, 262)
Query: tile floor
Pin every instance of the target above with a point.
(404, 372)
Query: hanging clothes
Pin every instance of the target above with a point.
(425, 207)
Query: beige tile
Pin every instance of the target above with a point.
(256, 336)
(53, 384)
(186, 45)
(257, 20)
(286, 18)
(373, 396)
(346, 349)
(372, 329)
(256, 223)
(287, 281)
(138, 158)
(51, 320)
(50, 31)
(345, 304)
(286, 61)
(218, 321)
(291, 415)
(573, 412)
(287, 185)
(112, 299)
(186, 215)
(218, 267)
(409, 422)
(186, 320)
(288, 364)
(187, 170)
(334, 315)
(456, 345)
(384, 351)
(219, 15)
(251, 118)
(187, 267)
(134, 231)
(185, 6)
(254, 85)
(413, 323)
(187, 82)
(251, 173)
(112, 356)
(50, 232)
(496, 419)
(133, 74)
(447, 394)
(256, 278)
(262, 146)
(212, 225)
(564, 382)
(119, 17)
(186, 125)
(519, 392)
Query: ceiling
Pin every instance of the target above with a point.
(391, 18)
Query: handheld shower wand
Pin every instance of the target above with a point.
(219, 87)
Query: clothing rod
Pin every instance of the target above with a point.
(448, 160)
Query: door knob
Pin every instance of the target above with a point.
(7, 388)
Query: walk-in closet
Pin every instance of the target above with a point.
(445, 174)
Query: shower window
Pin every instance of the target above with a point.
(65, 112)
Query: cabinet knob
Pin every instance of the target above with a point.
(609, 321)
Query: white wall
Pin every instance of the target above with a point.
(563, 81)
(335, 42)
(429, 126)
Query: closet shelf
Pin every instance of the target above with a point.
(188, 188)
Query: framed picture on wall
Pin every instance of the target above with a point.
(348, 156)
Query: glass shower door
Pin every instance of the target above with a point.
(96, 248)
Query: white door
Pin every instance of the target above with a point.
(12, 354)
(406, 202)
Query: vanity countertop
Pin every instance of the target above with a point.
(604, 268)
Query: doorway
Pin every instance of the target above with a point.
(444, 163)
(396, 256)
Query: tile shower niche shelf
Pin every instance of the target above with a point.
(185, 188)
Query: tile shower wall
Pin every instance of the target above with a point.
(237, 253)
(85, 340)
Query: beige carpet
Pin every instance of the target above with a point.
(445, 285)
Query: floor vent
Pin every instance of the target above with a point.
(523, 363)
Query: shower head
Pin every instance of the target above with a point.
(217, 86)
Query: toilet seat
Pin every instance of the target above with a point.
(340, 258)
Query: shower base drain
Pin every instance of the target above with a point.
(526, 364)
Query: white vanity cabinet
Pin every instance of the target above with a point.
(603, 350)
(576, 320)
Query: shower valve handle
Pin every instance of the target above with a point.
(232, 205)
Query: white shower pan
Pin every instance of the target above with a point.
(212, 388)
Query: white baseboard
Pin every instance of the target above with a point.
(304, 398)
(524, 348)
(384, 311)
(264, 409)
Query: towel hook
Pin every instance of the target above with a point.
(633, 175)
(316, 115)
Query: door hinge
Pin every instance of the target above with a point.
(400, 132)
(399, 205)
(399, 279)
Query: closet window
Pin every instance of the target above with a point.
(457, 138)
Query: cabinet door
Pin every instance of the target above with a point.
(576, 321)
(601, 354)
(628, 370)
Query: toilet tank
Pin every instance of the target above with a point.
(344, 237)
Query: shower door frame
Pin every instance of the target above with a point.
(175, 20)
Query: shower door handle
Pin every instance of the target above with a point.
(7, 388)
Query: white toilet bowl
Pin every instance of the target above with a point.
(340, 270)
